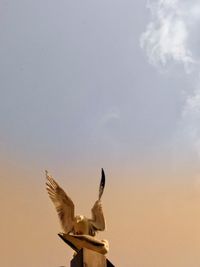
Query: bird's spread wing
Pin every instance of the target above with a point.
(63, 204)
(98, 221)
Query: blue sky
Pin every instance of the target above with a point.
(74, 77)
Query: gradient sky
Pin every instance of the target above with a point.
(91, 84)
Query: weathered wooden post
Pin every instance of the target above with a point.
(90, 258)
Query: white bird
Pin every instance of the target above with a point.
(71, 224)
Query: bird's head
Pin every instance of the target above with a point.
(79, 218)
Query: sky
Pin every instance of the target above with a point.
(92, 84)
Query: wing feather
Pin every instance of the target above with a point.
(63, 204)
(98, 221)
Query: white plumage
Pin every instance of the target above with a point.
(77, 225)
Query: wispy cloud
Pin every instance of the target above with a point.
(172, 37)
(106, 127)
(167, 35)
(191, 119)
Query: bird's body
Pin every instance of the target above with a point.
(81, 225)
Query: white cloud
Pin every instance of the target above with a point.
(111, 115)
(171, 37)
(191, 119)
(105, 128)
(167, 36)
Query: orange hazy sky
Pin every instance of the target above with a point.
(148, 224)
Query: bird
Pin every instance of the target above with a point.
(71, 223)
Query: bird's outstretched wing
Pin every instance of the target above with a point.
(63, 204)
(98, 221)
